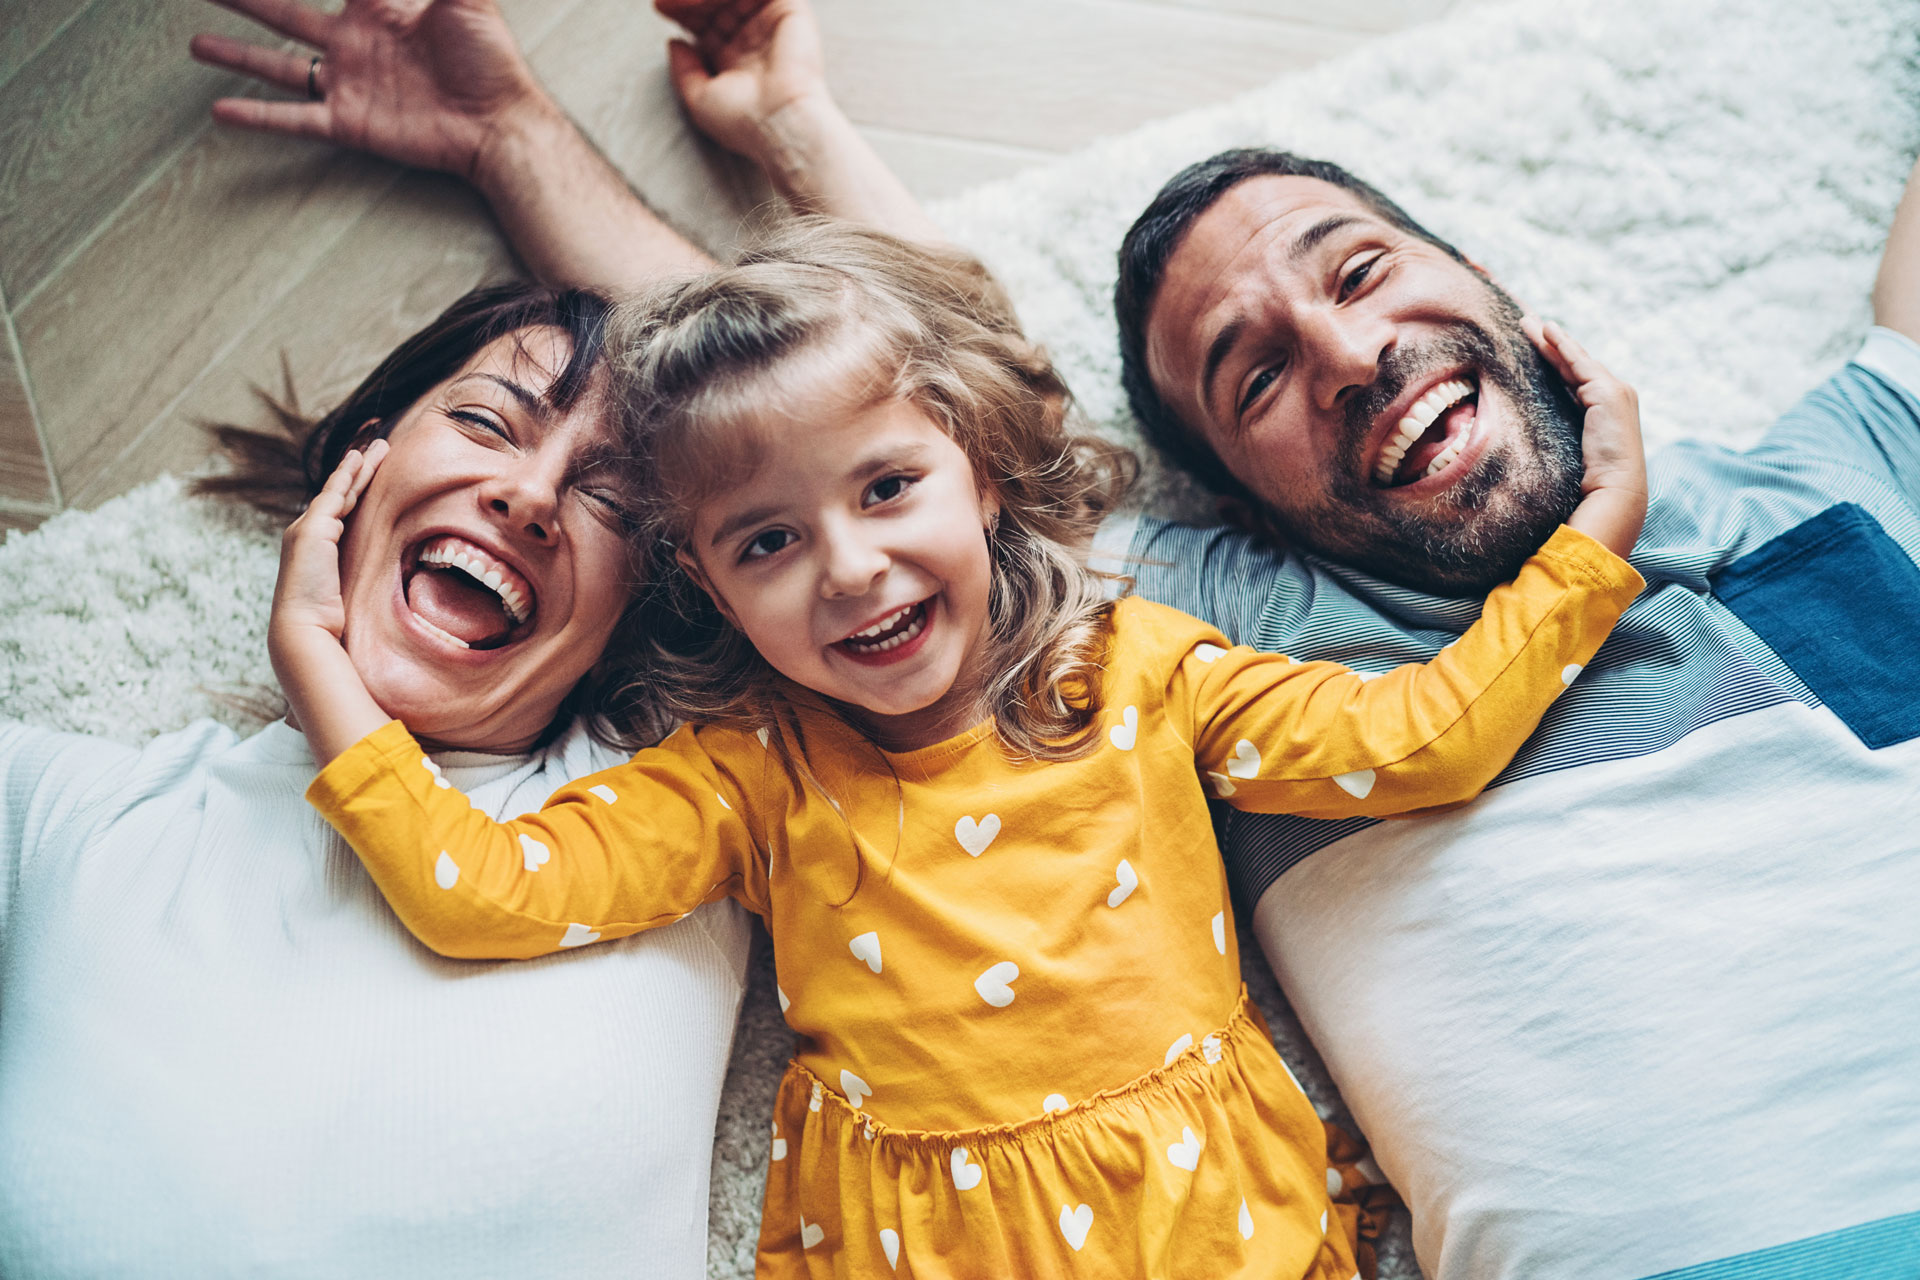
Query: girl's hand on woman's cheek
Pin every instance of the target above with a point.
(307, 593)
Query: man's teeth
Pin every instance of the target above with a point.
(891, 620)
(451, 554)
(1421, 416)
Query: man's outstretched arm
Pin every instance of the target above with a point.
(1896, 291)
(441, 84)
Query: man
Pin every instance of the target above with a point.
(1648, 1003)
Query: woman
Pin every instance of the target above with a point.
(219, 1052)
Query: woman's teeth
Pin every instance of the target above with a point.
(482, 568)
(1425, 411)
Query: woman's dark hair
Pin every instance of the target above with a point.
(1144, 254)
(278, 469)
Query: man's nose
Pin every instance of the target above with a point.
(853, 564)
(1346, 348)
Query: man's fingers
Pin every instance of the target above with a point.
(276, 67)
(288, 17)
(298, 119)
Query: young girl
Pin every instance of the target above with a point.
(966, 791)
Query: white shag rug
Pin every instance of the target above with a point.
(1698, 190)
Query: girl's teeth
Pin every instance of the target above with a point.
(891, 642)
(891, 620)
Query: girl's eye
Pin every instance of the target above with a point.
(765, 544)
(887, 489)
(1357, 276)
(1261, 381)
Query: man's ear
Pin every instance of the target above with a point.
(691, 567)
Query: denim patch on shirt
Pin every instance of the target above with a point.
(1839, 601)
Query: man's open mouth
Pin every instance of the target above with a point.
(900, 627)
(467, 594)
(1430, 436)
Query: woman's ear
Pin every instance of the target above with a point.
(370, 430)
(691, 567)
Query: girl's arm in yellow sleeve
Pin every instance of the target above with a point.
(630, 848)
(1317, 739)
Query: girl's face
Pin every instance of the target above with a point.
(855, 560)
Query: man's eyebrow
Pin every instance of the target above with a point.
(531, 401)
(1307, 241)
(1217, 352)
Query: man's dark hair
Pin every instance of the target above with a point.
(1150, 242)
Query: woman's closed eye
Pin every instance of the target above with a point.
(481, 421)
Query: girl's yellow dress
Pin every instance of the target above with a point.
(1024, 1049)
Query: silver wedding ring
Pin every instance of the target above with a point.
(313, 78)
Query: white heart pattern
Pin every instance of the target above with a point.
(1220, 932)
(533, 853)
(1185, 1154)
(578, 935)
(1356, 784)
(973, 836)
(439, 779)
(1074, 1225)
(1054, 1102)
(785, 1004)
(1177, 1048)
(856, 1089)
(445, 873)
(1127, 883)
(1208, 652)
(811, 1234)
(965, 1176)
(993, 984)
(817, 1096)
(604, 791)
(762, 735)
(1246, 760)
(717, 796)
(1246, 1223)
(1210, 1048)
(890, 1245)
(779, 1143)
(1127, 731)
(867, 947)
(1222, 784)
(1570, 672)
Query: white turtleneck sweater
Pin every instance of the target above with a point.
(221, 1055)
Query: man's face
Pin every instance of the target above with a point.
(484, 570)
(1378, 395)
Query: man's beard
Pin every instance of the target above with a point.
(1481, 529)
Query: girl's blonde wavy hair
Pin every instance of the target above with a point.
(886, 319)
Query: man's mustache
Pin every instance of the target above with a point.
(1463, 343)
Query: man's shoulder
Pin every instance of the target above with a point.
(1224, 576)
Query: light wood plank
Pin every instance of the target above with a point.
(934, 168)
(1051, 76)
(84, 123)
(21, 520)
(26, 25)
(1349, 15)
(24, 477)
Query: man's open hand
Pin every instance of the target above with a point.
(427, 83)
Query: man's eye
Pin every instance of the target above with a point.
(1356, 277)
(762, 545)
(887, 489)
(1261, 381)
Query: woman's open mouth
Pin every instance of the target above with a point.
(1431, 436)
(466, 594)
(892, 637)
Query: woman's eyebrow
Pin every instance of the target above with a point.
(533, 402)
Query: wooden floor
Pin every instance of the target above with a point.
(153, 267)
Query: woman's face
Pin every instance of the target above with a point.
(483, 570)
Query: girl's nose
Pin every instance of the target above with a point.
(853, 565)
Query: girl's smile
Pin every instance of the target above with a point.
(855, 559)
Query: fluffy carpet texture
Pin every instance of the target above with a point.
(1698, 191)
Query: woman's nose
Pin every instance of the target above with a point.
(526, 501)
